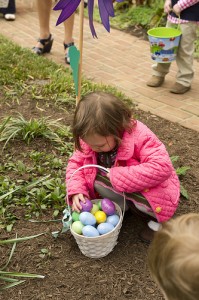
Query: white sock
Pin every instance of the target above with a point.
(155, 226)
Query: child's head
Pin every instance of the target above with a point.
(100, 120)
(174, 258)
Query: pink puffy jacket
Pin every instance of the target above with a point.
(142, 165)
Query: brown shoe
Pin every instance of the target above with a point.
(179, 88)
(155, 81)
(147, 235)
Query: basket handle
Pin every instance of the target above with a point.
(163, 14)
(84, 167)
(67, 218)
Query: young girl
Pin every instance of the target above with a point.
(185, 12)
(137, 161)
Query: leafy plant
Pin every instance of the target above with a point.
(181, 171)
(27, 130)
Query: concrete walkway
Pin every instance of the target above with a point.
(116, 59)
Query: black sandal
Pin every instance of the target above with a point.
(47, 45)
(67, 58)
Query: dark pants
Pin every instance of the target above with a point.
(11, 9)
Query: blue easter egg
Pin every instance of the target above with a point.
(87, 218)
(90, 231)
(104, 228)
(114, 219)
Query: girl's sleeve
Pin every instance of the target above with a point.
(75, 183)
(183, 4)
(154, 166)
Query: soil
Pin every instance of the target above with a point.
(123, 274)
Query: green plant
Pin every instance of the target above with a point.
(27, 130)
(181, 171)
(8, 276)
(45, 253)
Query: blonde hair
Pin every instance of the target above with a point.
(101, 113)
(174, 258)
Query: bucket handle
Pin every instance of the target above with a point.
(163, 14)
(67, 218)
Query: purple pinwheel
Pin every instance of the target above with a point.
(68, 7)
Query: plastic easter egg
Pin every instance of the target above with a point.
(90, 231)
(99, 205)
(77, 227)
(114, 219)
(87, 206)
(104, 228)
(75, 216)
(108, 206)
(87, 218)
(94, 209)
(100, 216)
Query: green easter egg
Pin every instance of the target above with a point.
(75, 216)
(99, 205)
(94, 209)
(77, 227)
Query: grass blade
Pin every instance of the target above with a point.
(4, 124)
(3, 242)
(27, 275)
(11, 254)
(11, 285)
(8, 279)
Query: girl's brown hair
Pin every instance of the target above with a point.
(174, 258)
(101, 113)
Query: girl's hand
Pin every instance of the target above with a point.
(176, 9)
(76, 199)
(167, 6)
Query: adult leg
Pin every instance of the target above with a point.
(184, 58)
(9, 12)
(68, 36)
(44, 9)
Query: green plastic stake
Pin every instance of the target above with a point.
(74, 55)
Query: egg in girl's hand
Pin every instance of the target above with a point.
(77, 227)
(108, 206)
(94, 209)
(87, 218)
(90, 231)
(104, 228)
(75, 216)
(87, 206)
(100, 216)
(114, 219)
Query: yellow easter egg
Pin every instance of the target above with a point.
(100, 216)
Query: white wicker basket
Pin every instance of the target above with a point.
(100, 246)
(4, 3)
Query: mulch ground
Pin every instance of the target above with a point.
(123, 274)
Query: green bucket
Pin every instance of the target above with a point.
(164, 42)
